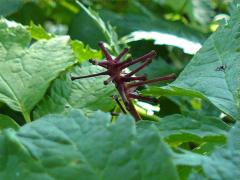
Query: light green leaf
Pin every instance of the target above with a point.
(37, 32)
(87, 94)
(213, 72)
(7, 122)
(27, 70)
(66, 147)
(83, 53)
(178, 128)
(9, 6)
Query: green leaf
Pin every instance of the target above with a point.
(213, 71)
(201, 11)
(223, 163)
(37, 32)
(7, 122)
(178, 128)
(83, 53)
(95, 28)
(217, 166)
(137, 27)
(27, 70)
(66, 147)
(87, 94)
(9, 6)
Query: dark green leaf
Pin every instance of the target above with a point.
(213, 72)
(223, 163)
(178, 128)
(9, 6)
(7, 122)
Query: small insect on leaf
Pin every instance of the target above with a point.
(221, 68)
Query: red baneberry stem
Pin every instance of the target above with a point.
(105, 52)
(91, 75)
(139, 68)
(164, 78)
(145, 57)
(121, 54)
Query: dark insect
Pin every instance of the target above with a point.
(126, 84)
(221, 68)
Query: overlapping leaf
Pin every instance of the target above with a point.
(223, 163)
(213, 72)
(86, 94)
(200, 11)
(179, 128)
(7, 122)
(69, 147)
(156, 29)
(27, 70)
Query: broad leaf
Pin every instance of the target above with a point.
(7, 122)
(138, 27)
(68, 147)
(213, 72)
(27, 70)
(178, 128)
(86, 94)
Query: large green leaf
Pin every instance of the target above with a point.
(178, 128)
(213, 72)
(73, 146)
(141, 27)
(223, 163)
(27, 70)
(9, 6)
(86, 94)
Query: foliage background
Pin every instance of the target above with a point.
(194, 132)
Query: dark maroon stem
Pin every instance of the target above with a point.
(125, 50)
(105, 52)
(133, 111)
(91, 75)
(139, 68)
(146, 57)
(164, 78)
